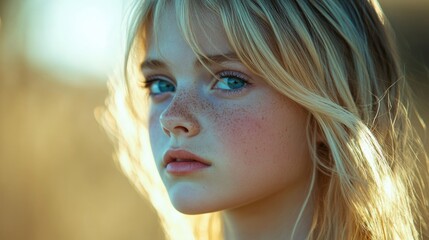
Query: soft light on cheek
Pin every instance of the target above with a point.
(156, 133)
(268, 135)
(153, 114)
(239, 131)
(157, 136)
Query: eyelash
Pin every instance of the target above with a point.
(149, 81)
(233, 74)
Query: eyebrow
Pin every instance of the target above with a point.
(205, 60)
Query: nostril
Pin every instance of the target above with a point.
(173, 125)
(181, 128)
(166, 131)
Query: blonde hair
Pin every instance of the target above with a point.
(335, 58)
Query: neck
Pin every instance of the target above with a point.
(273, 217)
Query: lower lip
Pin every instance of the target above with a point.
(185, 167)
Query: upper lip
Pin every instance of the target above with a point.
(172, 154)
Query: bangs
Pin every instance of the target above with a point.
(244, 30)
(270, 39)
(248, 37)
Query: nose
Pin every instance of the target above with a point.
(179, 118)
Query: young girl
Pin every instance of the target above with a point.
(275, 119)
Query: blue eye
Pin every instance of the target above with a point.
(231, 81)
(158, 86)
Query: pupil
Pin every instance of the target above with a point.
(235, 83)
(166, 86)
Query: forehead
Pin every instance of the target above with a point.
(203, 28)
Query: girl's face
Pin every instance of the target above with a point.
(221, 142)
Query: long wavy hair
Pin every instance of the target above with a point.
(335, 58)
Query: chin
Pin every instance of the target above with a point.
(189, 210)
(192, 204)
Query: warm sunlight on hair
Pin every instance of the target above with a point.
(125, 123)
(389, 188)
(346, 96)
(378, 10)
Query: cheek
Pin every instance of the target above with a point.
(238, 133)
(156, 135)
(268, 135)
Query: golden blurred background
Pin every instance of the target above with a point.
(57, 176)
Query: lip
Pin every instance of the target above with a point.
(190, 162)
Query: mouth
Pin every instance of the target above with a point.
(179, 162)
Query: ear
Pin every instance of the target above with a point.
(317, 131)
(320, 137)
